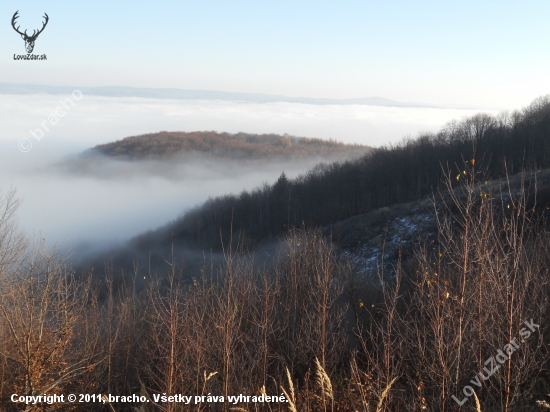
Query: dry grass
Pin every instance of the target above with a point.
(478, 406)
(323, 381)
(384, 395)
(543, 404)
(291, 399)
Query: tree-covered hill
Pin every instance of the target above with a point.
(226, 145)
(505, 144)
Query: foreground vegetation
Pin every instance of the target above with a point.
(404, 339)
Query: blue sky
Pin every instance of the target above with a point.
(483, 54)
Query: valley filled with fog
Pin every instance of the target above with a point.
(120, 199)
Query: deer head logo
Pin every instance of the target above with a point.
(29, 40)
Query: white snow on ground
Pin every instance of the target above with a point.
(401, 231)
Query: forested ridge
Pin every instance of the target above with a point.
(503, 144)
(226, 145)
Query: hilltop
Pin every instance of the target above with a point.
(165, 145)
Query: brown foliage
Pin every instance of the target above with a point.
(232, 146)
(330, 339)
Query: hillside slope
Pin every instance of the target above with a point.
(495, 146)
(379, 237)
(370, 241)
(490, 148)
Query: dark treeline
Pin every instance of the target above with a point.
(504, 145)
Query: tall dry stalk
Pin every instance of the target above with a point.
(290, 398)
(478, 406)
(384, 395)
(324, 383)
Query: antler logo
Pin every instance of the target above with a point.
(29, 40)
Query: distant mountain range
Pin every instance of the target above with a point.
(181, 94)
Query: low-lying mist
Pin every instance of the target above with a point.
(110, 201)
(104, 204)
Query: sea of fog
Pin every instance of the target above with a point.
(70, 209)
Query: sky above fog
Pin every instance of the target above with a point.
(485, 54)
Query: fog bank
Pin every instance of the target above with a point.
(124, 200)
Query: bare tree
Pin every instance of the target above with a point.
(50, 342)
(12, 239)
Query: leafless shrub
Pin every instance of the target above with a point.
(50, 341)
